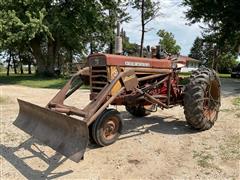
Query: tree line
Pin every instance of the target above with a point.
(219, 45)
(49, 33)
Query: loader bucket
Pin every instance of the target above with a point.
(66, 135)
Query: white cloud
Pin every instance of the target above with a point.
(172, 20)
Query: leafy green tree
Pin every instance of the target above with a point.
(208, 53)
(217, 51)
(168, 42)
(117, 13)
(196, 51)
(149, 10)
(221, 16)
(53, 28)
(25, 58)
(131, 49)
(227, 62)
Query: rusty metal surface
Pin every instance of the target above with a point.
(98, 74)
(130, 80)
(100, 110)
(69, 110)
(99, 60)
(69, 135)
(152, 99)
(95, 107)
(150, 77)
(150, 70)
(66, 135)
(73, 84)
(128, 61)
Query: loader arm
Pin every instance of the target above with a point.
(91, 111)
(53, 124)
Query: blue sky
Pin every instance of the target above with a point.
(172, 20)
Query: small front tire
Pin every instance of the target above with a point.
(107, 127)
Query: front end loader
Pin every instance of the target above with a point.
(140, 84)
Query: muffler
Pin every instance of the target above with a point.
(65, 134)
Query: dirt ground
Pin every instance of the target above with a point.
(159, 146)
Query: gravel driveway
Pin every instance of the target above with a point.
(159, 146)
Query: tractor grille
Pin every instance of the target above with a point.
(99, 78)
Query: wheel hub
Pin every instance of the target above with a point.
(110, 128)
(210, 103)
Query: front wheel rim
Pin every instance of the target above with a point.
(110, 128)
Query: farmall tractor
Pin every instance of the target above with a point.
(140, 84)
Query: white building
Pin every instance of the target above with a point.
(191, 64)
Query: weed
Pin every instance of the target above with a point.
(203, 159)
(236, 102)
(237, 115)
(225, 110)
(230, 150)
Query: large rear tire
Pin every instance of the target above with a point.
(202, 99)
(107, 127)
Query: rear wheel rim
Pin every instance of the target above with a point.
(211, 100)
(209, 114)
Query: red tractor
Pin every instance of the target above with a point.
(140, 84)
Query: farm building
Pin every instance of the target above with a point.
(192, 64)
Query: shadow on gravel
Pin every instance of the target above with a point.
(132, 127)
(158, 124)
(9, 154)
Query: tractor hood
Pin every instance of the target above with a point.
(128, 61)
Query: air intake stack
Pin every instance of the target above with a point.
(118, 40)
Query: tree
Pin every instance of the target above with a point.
(227, 62)
(206, 50)
(168, 42)
(50, 28)
(222, 18)
(196, 51)
(117, 13)
(26, 58)
(217, 51)
(131, 49)
(149, 11)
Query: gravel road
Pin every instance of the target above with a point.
(159, 146)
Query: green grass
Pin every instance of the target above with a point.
(187, 74)
(33, 81)
(236, 102)
(56, 83)
(226, 110)
(184, 81)
(203, 159)
(224, 75)
(230, 149)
